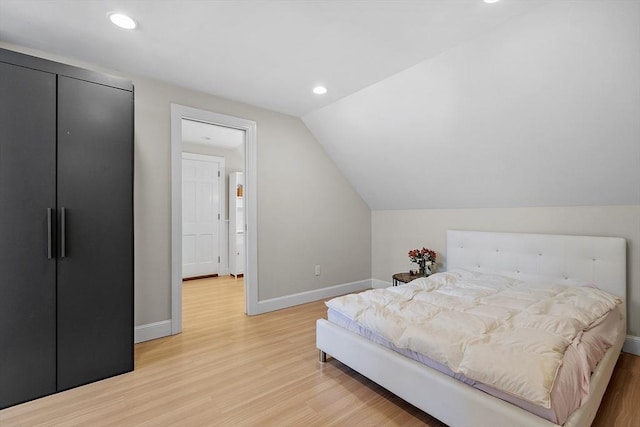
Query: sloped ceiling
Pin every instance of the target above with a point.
(431, 104)
(543, 111)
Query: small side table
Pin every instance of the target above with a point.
(404, 278)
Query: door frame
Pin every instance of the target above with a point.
(221, 197)
(179, 112)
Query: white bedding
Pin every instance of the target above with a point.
(490, 329)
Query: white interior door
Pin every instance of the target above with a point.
(201, 177)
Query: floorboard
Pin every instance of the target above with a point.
(228, 369)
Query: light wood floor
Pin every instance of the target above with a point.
(230, 369)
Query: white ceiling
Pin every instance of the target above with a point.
(265, 53)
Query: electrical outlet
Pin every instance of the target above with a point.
(317, 270)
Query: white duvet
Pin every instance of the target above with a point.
(499, 331)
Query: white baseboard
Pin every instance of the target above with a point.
(161, 329)
(151, 331)
(309, 296)
(379, 284)
(632, 345)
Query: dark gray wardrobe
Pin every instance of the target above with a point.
(66, 227)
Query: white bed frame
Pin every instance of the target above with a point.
(599, 260)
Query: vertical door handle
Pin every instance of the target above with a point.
(63, 233)
(49, 233)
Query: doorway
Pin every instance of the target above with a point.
(180, 114)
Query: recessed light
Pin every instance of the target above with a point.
(319, 90)
(491, 1)
(122, 20)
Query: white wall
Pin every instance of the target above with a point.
(394, 233)
(308, 213)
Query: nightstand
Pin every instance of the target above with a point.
(404, 278)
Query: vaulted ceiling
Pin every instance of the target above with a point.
(430, 104)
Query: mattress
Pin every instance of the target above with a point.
(571, 386)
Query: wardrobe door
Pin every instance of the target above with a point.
(95, 206)
(27, 266)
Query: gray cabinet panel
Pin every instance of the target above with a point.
(27, 276)
(95, 334)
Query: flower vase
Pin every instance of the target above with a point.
(424, 270)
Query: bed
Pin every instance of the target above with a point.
(568, 259)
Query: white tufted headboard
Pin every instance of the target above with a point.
(598, 260)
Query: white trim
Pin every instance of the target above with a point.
(151, 331)
(221, 270)
(179, 112)
(203, 157)
(176, 219)
(250, 215)
(632, 345)
(378, 284)
(309, 296)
